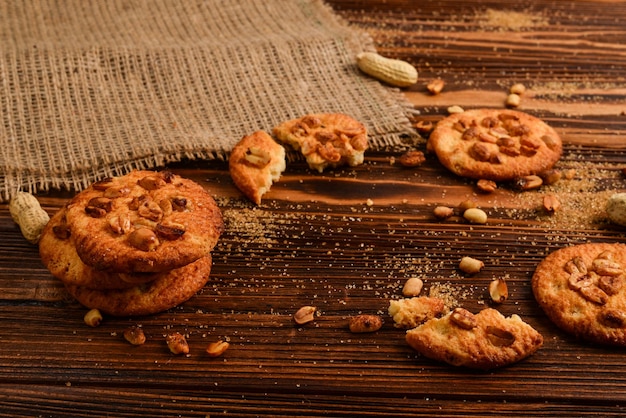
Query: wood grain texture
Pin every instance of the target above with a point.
(317, 241)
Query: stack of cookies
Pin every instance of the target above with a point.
(134, 245)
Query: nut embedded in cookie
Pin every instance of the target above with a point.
(255, 163)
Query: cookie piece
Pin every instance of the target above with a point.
(582, 290)
(255, 163)
(410, 312)
(57, 252)
(325, 139)
(495, 144)
(168, 291)
(143, 222)
(483, 341)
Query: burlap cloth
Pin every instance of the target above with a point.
(90, 89)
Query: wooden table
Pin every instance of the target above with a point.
(345, 242)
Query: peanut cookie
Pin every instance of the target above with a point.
(169, 290)
(484, 341)
(255, 163)
(56, 248)
(495, 144)
(582, 290)
(325, 139)
(143, 222)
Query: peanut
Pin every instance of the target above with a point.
(395, 72)
(28, 214)
(594, 294)
(529, 182)
(258, 157)
(134, 335)
(93, 318)
(435, 86)
(466, 204)
(443, 212)
(143, 239)
(463, 318)
(412, 287)
(486, 186)
(455, 109)
(170, 230)
(365, 323)
(470, 265)
(217, 348)
(551, 176)
(304, 315)
(569, 174)
(152, 182)
(517, 88)
(412, 158)
(177, 343)
(513, 100)
(551, 203)
(475, 216)
(424, 127)
(498, 290)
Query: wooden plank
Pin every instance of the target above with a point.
(346, 240)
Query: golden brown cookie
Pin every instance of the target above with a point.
(325, 139)
(168, 291)
(255, 163)
(582, 290)
(495, 144)
(482, 341)
(56, 248)
(143, 222)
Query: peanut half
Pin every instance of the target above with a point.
(177, 343)
(551, 203)
(498, 290)
(443, 212)
(217, 348)
(435, 86)
(134, 335)
(93, 318)
(304, 315)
